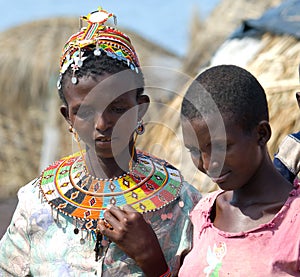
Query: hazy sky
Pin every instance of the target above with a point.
(165, 22)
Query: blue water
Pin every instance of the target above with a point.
(164, 22)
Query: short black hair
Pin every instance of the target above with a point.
(226, 89)
(99, 65)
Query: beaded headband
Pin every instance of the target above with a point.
(99, 38)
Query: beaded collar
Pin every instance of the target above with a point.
(152, 184)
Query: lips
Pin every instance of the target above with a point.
(221, 178)
(103, 139)
(103, 142)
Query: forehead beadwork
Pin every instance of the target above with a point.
(101, 40)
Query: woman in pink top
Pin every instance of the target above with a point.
(251, 226)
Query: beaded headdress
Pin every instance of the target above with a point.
(99, 38)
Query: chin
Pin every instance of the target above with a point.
(228, 186)
(104, 154)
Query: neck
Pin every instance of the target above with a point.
(104, 168)
(265, 186)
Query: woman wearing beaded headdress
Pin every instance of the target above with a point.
(109, 209)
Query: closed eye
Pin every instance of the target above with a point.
(85, 113)
(119, 110)
(194, 151)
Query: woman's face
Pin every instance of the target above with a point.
(104, 111)
(225, 152)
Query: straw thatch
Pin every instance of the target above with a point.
(276, 66)
(207, 36)
(29, 58)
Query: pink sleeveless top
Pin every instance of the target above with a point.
(271, 249)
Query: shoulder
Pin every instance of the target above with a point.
(64, 161)
(291, 140)
(207, 202)
(295, 194)
(32, 188)
(29, 191)
(155, 159)
(188, 193)
(296, 136)
(200, 215)
(30, 200)
(285, 159)
(29, 194)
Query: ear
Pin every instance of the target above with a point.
(143, 101)
(264, 132)
(298, 98)
(65, 113)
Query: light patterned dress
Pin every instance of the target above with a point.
(41, 241)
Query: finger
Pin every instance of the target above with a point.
(114, 218)
(127, 209)
(107, 224)
(102, 227)
(114, 233)
(131, 214)
(114, 213)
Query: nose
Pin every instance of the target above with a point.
(102, 121)
(200, 165)
(205, 161)
(211, 165)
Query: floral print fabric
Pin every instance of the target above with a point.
(41, 242)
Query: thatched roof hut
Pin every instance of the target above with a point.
(28, 75)
(32, 132)
(207, 36)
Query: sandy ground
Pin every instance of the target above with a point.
(7, 208)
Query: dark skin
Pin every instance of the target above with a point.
(135, 237)
(298, 98)
(254, 191)
(104, 111)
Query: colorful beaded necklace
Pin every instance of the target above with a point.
(67, 187)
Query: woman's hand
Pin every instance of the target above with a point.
(129, 230)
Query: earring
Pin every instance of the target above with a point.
(74, 79)
(75, 134)
(140, 129)
(97, 51)
(78, 139)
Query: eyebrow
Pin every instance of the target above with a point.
(116, 101)
(121, 100)
(78, 107)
